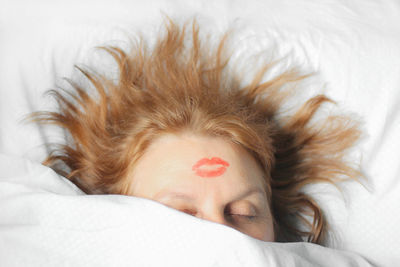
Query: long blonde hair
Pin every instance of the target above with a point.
(180, 85)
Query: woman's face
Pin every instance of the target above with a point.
(206, 177)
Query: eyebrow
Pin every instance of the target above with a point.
(183, 196)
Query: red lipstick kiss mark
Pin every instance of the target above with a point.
(201, 167)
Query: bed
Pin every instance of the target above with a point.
(352, 46)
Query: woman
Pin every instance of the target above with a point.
(179, 128)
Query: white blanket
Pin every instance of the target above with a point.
(46, 221)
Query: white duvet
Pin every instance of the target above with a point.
(46, 221)
(354, 48)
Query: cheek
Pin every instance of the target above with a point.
(269, 236)
(263, 233)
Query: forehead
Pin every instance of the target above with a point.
(170, 161)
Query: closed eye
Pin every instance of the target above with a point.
(246, 216)
(189, 212)
(242, 216)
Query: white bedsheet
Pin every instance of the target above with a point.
(46, 221)
(354, 46)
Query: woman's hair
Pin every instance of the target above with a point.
(182, 85)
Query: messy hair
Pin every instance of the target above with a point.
(181, 85)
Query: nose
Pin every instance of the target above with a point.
(214, 215)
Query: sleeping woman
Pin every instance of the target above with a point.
(179, 127)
